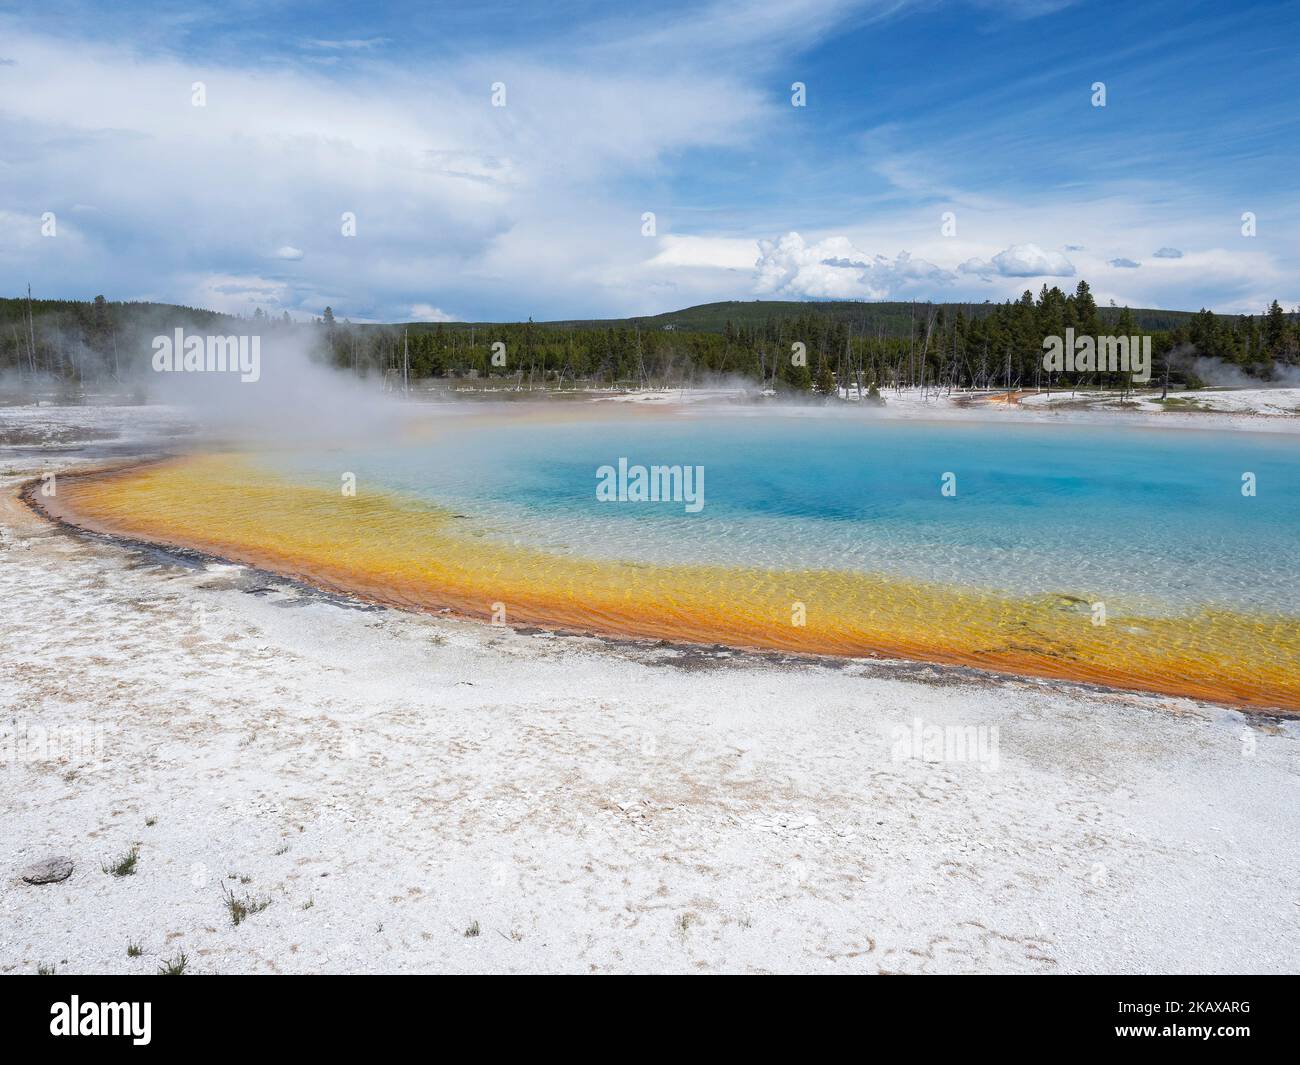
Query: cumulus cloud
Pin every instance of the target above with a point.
(237, 293)
(833, 268)
(426, 312)
(1029, 260)
(289, 252)
(1021, 260)
(1123, 264)
(1167, 253)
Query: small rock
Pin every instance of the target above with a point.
(50, 871)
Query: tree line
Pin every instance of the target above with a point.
(926, 345)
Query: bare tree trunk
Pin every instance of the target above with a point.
(31, 328)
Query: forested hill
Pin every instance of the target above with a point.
(893, 319)
(890, 319)
(821, 346)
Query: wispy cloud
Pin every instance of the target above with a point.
(355, 44)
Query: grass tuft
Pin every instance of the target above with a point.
(123, 865)
(175, 967)
(242, 908)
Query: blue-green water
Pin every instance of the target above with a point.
(1150, 518)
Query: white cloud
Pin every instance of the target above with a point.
(1123, 264)
(426, 312)
(447, 196)
(236, 294)
(723, 253)
(834, 269)
(1021, 260)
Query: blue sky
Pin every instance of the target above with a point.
(979, 110)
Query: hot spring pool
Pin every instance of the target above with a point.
(1124, 556)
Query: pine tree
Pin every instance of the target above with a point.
(1085, 310)
(825, 379)
(1275, 329)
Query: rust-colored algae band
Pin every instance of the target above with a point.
(406, 553)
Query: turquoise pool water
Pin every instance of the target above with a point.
(1149, 518)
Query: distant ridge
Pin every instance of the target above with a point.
(892, 318)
